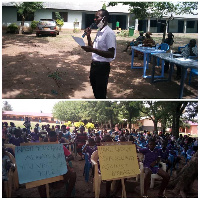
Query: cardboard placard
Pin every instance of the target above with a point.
(118, 161)
(40, 161)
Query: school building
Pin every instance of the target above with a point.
(35, 117)
(79, 15)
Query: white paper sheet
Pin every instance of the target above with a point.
(79, 40)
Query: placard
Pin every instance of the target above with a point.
(118, 161)
(38, 162)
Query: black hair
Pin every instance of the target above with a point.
(105, 13)
(52, 134)
(152, 140)
(107, 138)
(193, 40)
(17, 132)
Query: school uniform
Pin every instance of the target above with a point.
(150, 156)
(100, 66)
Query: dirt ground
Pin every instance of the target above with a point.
(48, 68)
(85, 190)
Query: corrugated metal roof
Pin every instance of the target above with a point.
(28, 114)
(80, 6)
(93, 6)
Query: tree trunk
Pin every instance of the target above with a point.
(22, 26)
(155, 122)
(130, 122)
(185, 178)
(164, 33)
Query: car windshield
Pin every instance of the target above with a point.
(47, 23)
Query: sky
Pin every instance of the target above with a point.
(32, 105)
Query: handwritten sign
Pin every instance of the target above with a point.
(37, 162)
(118, 161)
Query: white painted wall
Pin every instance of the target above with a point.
(173, 26)
(9, 15)
(71, 17)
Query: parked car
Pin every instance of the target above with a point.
(47, 27)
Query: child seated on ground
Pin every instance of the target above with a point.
(151, 166)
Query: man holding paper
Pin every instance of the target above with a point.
(103, 52)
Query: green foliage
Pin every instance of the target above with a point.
(59, 20)
(115, 112)
(104, 6)
(13, 28)
(34, 24)
(89, 125)
(124, 33)
(55, 75)
(76, 30)
(26, 8)
(144, 10)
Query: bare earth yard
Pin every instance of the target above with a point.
(49, 67)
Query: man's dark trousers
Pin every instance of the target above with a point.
(99, 74)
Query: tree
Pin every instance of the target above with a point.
(143, 10)
(24, 9)
(153, 110)
(177, 108)
(6, 106)
(182, 183)
(67, 110)
(130, 111)
(59, 20)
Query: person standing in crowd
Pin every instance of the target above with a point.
(103, 52)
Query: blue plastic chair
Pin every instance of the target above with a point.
(165, 47)
(192, 73)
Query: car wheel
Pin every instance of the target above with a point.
(54, 35)
(37, 34)
(57, 33)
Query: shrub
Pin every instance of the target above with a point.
(13, 28)
(60, 22)
(34, 24)
(124, 33)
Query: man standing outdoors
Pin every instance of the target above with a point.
(103, 52)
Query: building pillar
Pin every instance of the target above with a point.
(128, 21)
(148, 26)
(136, 24)
(185, 26)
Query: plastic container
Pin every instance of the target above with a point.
(131, 30)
